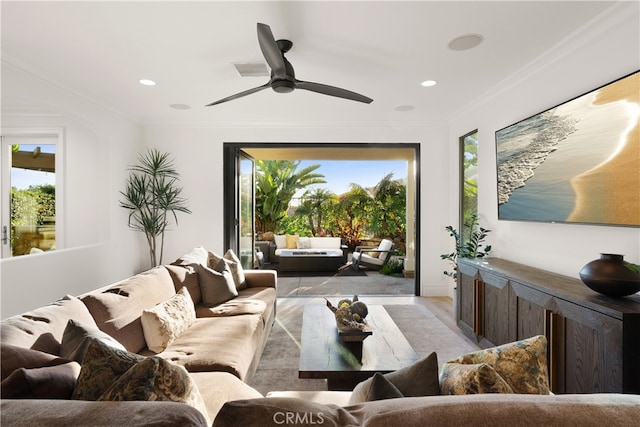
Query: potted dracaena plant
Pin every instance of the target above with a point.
(152, 197)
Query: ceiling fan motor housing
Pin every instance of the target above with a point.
(282, 86)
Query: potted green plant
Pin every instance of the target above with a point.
(471, 247)
(152, 196)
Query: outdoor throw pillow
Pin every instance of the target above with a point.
(216, 284)
(166, 321)
(102, 365)
(522, 364)
(456, 378)
(418, 379)
(76, 339)
(156, 379)
(292, 241)
(304, 243)
(50, 382)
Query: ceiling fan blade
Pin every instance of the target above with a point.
(271, 51)
(240, 95)
(332, 91)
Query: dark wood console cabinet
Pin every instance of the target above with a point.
(594, 340)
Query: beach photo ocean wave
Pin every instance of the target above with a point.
(577, 162)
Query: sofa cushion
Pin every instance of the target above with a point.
(234, 307)
(234, 265)
(102, 365)
(155, 379)
(456, 378)
(76, 339)
(508, 410)
(197, 255)
(522, 364)
(216, 388)
(42, 328)
(417, 379)
(16, 357)
(325, 242)
(226, 344)
(216, 284)
(51, 382)
(64, 413)
(187, 276)
(166, 321)
(118, 309)
(283, 411)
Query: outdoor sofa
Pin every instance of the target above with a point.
(315, 246)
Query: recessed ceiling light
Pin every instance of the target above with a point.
(180, 106)
(466, 42)
(147, 82)
(404, 108)
(428, 83)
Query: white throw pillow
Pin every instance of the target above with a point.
(281, 241)
(304, 243)
(166, 321)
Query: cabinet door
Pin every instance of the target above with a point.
(497, 304)
(466, 300)
(592, 344)
(530, 307)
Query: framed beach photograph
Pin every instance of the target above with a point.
(578, 162)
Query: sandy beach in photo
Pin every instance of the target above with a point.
(610, 193)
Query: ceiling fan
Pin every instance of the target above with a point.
(283, 79)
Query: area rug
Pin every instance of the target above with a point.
(278, 368)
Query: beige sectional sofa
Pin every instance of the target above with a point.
(220, 349)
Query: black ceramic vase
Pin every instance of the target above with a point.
(610, 276)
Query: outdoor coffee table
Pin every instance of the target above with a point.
(324, 355)
(318, 260)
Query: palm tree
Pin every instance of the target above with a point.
(351, 214)
(314, 205)
(276, 183)
(389, 216)
(150, 195)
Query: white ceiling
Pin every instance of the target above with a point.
(379, 49)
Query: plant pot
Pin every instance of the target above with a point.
(610, 276)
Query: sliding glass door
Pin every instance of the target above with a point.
(239, 229)
(246, 231)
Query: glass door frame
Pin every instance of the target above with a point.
(233, 157)
(231, 185)
(57, 136)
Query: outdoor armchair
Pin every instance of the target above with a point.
(373, 256)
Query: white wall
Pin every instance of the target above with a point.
(198, 154)
(601, 52)
(97, 148)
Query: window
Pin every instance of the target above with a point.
(469, 180)
(30, 191)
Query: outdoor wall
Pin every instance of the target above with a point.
(198, 153)
(601, 52)
(98, 145)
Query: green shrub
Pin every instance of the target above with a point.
(394, 267)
